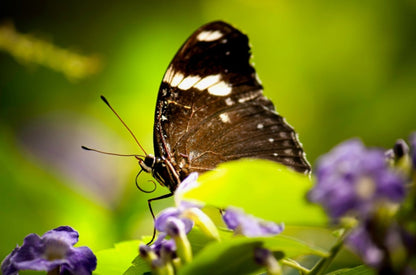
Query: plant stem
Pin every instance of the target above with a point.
(323, 264)
(295, 265)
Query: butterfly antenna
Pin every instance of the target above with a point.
(112, 154)
(125, 125)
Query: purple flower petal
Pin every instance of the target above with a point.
(54, 249)
(187, 184)
(81, 261)
(163, 243)
(64, 233)
(175, 227)
(7, 267)
(163, 217)
(360, 241)
(248, 225)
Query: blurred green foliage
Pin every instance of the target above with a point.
(277, 195)
(334, 69)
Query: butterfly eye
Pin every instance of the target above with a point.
(147, 164)
(149, 161)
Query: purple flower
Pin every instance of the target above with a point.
(352, 178)
(178, 244)
(360, 241)
(412, 140)
(177, 213)
(174, 222)
(380, 245)
(160, 253)
(163, 244)
(187, 213)
(172, 213)
(248, 225)
(265, 257)
(53, 250)
(187, 184)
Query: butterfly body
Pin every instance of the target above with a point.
(211, 109)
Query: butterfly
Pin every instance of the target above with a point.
(211, 109)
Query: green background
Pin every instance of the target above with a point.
(334, 69)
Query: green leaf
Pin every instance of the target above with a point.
(262, 188)
(359, 270)
(138, 267)
(318, 236)
(30, 202)
(118, 259)
(199, 240)
(292, 247)
(235, 255)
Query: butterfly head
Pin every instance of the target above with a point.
(161, 169)
(147, 163)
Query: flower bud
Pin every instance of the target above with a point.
(265, 257)
(176, 229)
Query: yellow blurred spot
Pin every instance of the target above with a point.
(29, 49)
(365, 188)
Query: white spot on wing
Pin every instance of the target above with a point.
(250, 96)
(168, 74)
(229, 101)
(260, 126)
(220, 89)
(271, 140)
(211, 82)
(209, 35)
(188, 82)
(288, 151)
(283, 134)
(177, 78)
(225, 118)
(207, 82)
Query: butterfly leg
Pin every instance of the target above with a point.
(149, 203)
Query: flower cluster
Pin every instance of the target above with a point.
(352, 179)
(371, 186)
(53, 251)
(172, 247)
(173, 224)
